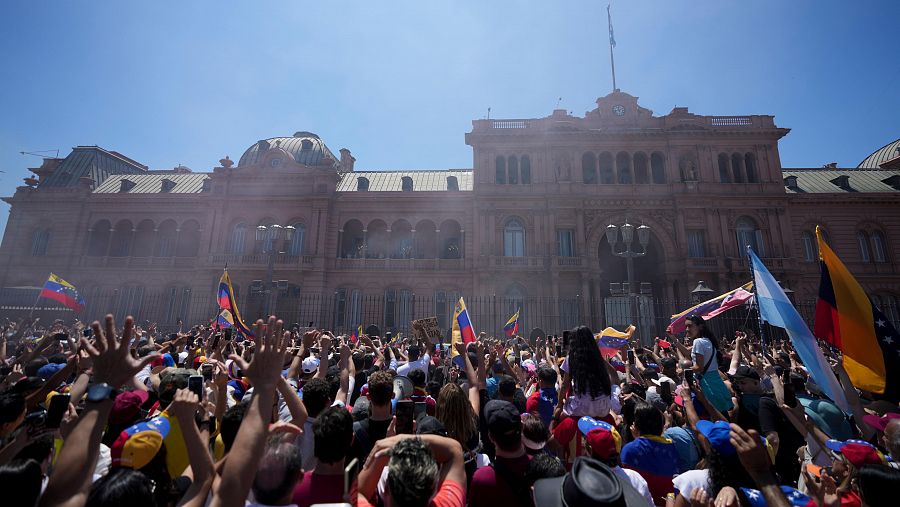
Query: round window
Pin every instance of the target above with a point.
(275, 162)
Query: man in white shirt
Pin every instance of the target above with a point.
(417, 361)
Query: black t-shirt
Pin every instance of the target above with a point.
(365, 434)
(772, 418)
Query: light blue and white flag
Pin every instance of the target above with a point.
(776, 309)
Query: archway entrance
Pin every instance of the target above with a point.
(639, 304)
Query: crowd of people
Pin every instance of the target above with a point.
(115, 414)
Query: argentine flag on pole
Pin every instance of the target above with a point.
(776, 309)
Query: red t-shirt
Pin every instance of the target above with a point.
(319, 488)
(450, 494)
(488, 489)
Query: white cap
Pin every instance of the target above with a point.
(310, 364)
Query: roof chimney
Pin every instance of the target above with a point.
(347, 161)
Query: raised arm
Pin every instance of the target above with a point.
(249, 444)
(183, 407)
(114, 366)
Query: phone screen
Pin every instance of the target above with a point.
(216, 339)
(229, 333)
(350, 473)
(57, 409)
(689, 376)
(665, 391)
(420, 409)
(405, 413)
(630, 357)
(195, 384)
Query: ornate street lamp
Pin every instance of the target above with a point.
(643, 237)
(269, 236)
(701, 292)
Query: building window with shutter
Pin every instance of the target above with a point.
(696, 243)
(514, 239)
(878, 247)
(863, 241)
(748, 233)
(566, 239)
(810, 249)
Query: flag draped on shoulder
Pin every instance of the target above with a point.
(611, 340)
(512, 325)
(847, 319)
(227, 301)
(462, 329)
(62, 292)
(711, 308)
(776, 309)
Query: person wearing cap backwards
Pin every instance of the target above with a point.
(603, 443)
(504, 480)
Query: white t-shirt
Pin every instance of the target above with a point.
(580, 405)
(635, 479)
(704, 346)
(419, 364)
(686, 482)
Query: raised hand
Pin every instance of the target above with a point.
(750, 451)
(112, 362)
(265, 368)
(184, 405)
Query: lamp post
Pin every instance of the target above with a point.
(269, 236)
(643, 237)
(701, 292)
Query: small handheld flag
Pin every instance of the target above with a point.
(610, 340)
(228, 302)
(462, 330)
(62, 292)
(512, 325)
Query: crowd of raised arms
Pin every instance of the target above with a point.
(115, 413)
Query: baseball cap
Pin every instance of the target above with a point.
(502, 416)
(664, 344)
(49, 369)
(744, 371)
(127, 406)
(138, 444)
(857, 452)
(429, 425)
(718, 433)
(310, 364)
(880, 423)
(601, 436)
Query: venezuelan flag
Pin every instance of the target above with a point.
(228, 302)
(225, 320)
(62, 292)
(354, 337)
(462, 330)
(512, 325)
(610, 340)
(847, 319)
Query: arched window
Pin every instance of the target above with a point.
(500, 175)
(607, 174)
(121, 239)
(749, 234)
(296, 246)
(166, 238)
(878, 247)
(512, 170)
(623, 166)
(188, 239)
(39, 241)
(362, 184)
(641, 171)
(100, 232)
(525, 170)
(863, 241)
(407, 184)
(724, 175)
(737, 167)
(750, 167)
(452, 184)
(514, 239)
(238, 238)
(810, 249)
(658, 167)
(589, 168)
(144, 239)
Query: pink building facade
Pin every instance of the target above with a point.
(525, 227)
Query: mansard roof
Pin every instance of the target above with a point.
(152, 183)
(829, 181)
(92, 162)
(423, 180)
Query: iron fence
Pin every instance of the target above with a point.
(343, 312)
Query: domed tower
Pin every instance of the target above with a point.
(304, 148)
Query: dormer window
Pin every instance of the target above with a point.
(893, 181)
(275, 162)
(843, 182)
(126, 185)
(407, 183)
(452, 184)
(167, 185)
(306, 145)
(791, 182)
(362, 184)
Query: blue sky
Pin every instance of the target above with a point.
(399, 82)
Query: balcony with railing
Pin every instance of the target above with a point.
(262, 260)
(399, 264)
